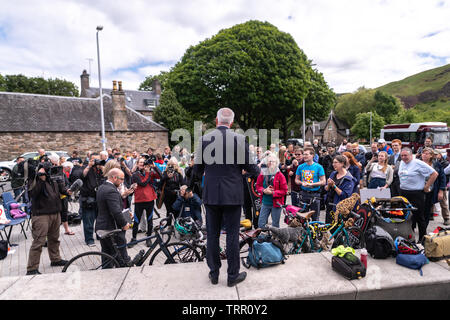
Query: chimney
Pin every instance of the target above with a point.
(84, 84)
(156, 86)
(120, 120)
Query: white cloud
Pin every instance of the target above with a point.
(353, 42)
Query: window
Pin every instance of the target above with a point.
(150, 102)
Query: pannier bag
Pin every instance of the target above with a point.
(263, 254)
(405, 246)
(349, 266)
(379, 243)
(437, 246)
(412, 261)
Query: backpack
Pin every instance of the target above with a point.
(348, 266)
(379, 243)
(412, 261)
(403, 246)
(263, 253)
(437, 245)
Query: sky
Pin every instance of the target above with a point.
(353, 43)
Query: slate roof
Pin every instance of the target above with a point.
(21, 112)
(135, 99)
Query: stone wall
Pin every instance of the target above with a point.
(13, 144)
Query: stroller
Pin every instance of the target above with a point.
(393, 215)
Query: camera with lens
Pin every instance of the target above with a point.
(170, 169)
(98, 162)
(148, 162)
(122, 159)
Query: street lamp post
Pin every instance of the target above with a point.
(304, 122)
(100, 28)
(370, 126)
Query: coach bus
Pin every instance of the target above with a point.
(413, 134)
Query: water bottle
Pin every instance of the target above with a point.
(364, 257)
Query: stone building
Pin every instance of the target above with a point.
(31, 121)
(332, 129)
(143, 102)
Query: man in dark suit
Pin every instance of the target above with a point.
(109, 202)
(394, 160)
(221, 156)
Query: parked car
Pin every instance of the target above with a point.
(295, 142)
(7, 166)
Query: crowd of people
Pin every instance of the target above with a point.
(306, 173)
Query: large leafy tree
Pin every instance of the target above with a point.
(254, 69)
(39, 85)
(361, 128)
(171, 114)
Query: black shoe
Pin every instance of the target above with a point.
(33, 272)
(45, 244)
(132, 244)
(214, 280)
(148, 243)
(60, 263)
(241, 277)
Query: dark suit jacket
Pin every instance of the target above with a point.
(109, 203)
(391, 161)
(221, 156)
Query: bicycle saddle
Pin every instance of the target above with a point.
(305, 215)
(102, 234)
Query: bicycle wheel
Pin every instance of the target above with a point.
(91, 261)
(180, 252)
(354, 238)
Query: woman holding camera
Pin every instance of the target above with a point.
(172, 180)
(144, 196)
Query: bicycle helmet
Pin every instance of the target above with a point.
(404, 246)
(246, 223)
(184, 226)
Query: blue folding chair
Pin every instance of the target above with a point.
(8, 198)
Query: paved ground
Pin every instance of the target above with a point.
(71, 245)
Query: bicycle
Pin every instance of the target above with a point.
(176, 252)
(195, 236)
(312, 236)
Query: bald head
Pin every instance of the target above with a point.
(225, 116)
(116, 176)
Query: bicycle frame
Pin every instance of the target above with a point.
(149, 251)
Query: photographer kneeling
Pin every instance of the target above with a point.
(190, 203)
(45, 218)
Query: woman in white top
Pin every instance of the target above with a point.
(380, 174)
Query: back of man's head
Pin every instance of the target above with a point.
(225, 116)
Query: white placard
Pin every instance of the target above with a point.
(377, 193)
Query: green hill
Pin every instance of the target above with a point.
(427, 93)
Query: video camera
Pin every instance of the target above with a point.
(149, 159)
(98, 162)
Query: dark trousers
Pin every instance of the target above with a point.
(428, 207)
(417, 199)
(107, 247)
(395, 187)
(230, 216)
(139, 208)
(315, 206)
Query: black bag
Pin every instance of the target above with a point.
(3, 249)
(73, 218)
(379, 243)
(348, 266)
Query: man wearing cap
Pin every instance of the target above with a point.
(382, 146)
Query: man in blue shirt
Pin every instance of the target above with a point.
(311, 176)
(416, 179)
(382, 146)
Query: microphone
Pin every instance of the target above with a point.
(76, 185)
